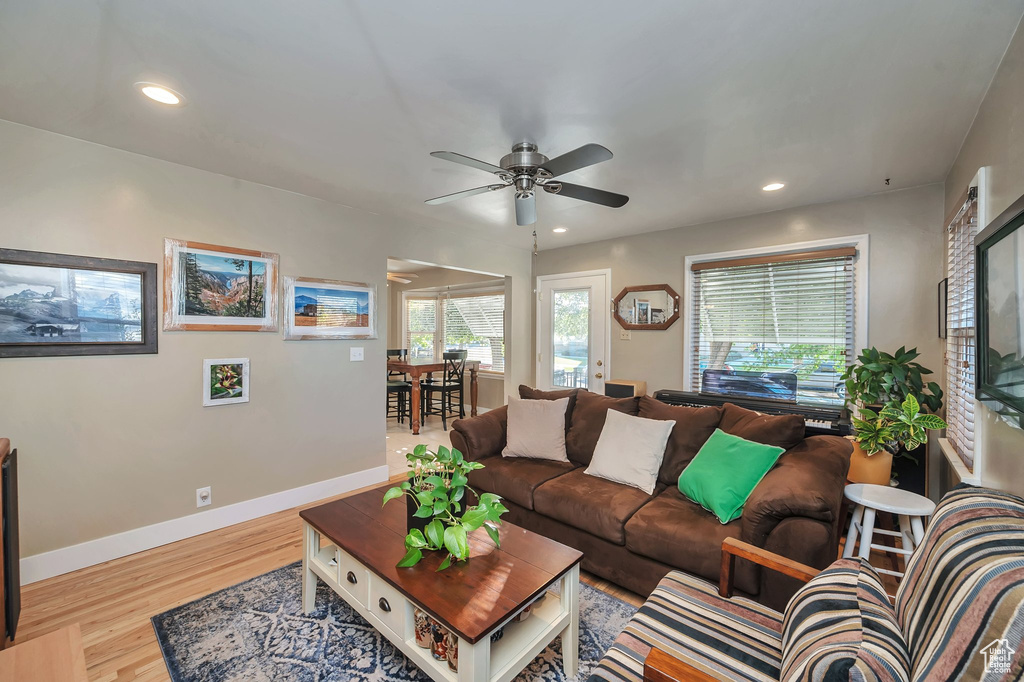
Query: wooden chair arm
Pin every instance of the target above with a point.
(732, 548)
(664, 667)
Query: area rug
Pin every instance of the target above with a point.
(255, 631)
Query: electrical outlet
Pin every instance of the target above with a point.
(203, 496)
(355, 354)
(625, 335)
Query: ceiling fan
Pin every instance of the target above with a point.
(525, 169)
(402, 277)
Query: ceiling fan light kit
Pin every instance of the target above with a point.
(525, 169)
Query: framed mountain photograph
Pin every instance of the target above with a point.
(225, 381)
(329, 309)
(219, 288)
(56, 304)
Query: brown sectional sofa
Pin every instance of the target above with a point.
(633, 539)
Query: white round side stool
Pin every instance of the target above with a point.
(911, 509)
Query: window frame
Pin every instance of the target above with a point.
(438, 296)
(860, 291)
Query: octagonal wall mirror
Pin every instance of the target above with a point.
(649, 306)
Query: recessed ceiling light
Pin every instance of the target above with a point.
(160, 93)
(774, 186)
(560, 230)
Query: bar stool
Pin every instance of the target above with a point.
(911, 509)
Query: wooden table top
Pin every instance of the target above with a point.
(422, 363)
(471, 598)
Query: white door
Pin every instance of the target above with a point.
(573, 330)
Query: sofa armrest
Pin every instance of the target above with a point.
(664, 667)
(807, 482)
(483, 436)
(732, 548)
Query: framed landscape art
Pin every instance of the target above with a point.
(225, 381)
(219, 288)
(56, 304)
(329, 309)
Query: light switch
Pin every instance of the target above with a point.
(355, 354)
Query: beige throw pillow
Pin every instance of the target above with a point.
(536, 429)
(630, 450)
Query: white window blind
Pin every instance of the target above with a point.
(474, 322)
(420, 326)
(960, 331)
(785, 313)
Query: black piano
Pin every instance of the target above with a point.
(820, 420)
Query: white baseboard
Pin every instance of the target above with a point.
(67, 559)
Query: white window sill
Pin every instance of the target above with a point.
(963, 473)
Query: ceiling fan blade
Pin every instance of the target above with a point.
(469, 161)
(402, 280)
(526, 210)
(464, 193)
(410, 275)
(595, 196)
(587, 155)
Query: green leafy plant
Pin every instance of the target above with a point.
(887, 379)
(894, 427)
(437, 483)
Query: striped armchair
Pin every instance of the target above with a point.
(958, 614)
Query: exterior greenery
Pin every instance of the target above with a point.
(437, 484)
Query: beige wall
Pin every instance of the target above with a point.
(491, 388)
(110, 444)
(906, 263)
(996, 141)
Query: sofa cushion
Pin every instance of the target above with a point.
(679, 532)
(726, 639)
(694, 425)
(841, 626)
(965, 585)
(528, 393)
(588, 420)
(516, 479)
(589, 503)
(630, 450)
(536, 429)
(784, 430)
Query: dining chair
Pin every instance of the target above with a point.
(399, 388)
(438, 398)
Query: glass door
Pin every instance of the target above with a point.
(572, 339)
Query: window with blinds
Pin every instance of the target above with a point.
(474, 322)
(420, 326)
(788, 313)
(960, 343)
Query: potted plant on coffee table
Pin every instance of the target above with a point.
(878, 387)
(435, 493)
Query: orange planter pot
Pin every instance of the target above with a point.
(876, 468)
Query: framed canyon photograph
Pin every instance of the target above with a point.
(219, 288)
(329, 309)
(225, 381)
(57, 304)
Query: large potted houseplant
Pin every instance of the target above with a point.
(878, 386)
(435, 494)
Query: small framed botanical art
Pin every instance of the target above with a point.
(329, 309)
(219, 288)
(55, 304)
(225, 381)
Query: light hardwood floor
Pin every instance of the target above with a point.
(114, 601)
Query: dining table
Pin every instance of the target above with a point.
(419, 367)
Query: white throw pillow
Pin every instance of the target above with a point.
(630, 450)
(536, 429)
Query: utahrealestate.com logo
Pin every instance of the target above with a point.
(998, 656)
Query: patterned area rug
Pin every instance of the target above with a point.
(256, 632)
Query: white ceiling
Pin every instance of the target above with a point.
(701, 102)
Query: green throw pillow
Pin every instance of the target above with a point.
(724, 473)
